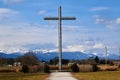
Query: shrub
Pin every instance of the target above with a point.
(56, 67)
(33, 68)
(46, 68)
(25, 69)
(53, 67)
(85, 68)
(40, 67)
(119, 66)
(94, 67)
(74, 68)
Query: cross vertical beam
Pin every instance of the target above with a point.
(60, 18)
(60, 37)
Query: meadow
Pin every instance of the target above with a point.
(102, 75)
(23, 76)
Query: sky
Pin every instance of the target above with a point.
(22, 25)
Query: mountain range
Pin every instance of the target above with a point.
(65, 55)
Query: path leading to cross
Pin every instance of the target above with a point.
(61, 76)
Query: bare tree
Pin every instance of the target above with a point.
(28, 58)
(2, 61)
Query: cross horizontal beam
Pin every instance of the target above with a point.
(63, 18)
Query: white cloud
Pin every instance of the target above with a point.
(111, 24)
(12, 1)
(100, 20)
(4, 10)
(69, 48)
(42, 12)
(118, 20)
(99, 45)
(81, 48)
(98, 8)
(74, 48)
(6, 13)
(17, 35)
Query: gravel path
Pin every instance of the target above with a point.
(61, 76)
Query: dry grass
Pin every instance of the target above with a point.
(107, 75)
(13, 73)
(10, 69)
(23, 76)
(34, 68)
(88, 68)
(107, 68)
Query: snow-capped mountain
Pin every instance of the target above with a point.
(46, 55)
(12, 55)
(65, 55)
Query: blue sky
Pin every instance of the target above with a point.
(22, 26)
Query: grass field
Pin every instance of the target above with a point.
(107, 75)
(23, 76)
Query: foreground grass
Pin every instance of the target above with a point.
(23, 76)
(109, 75)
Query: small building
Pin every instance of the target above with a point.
(17, 64)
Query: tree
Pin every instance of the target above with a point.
(28, 59)
(54, 61)
(74, 68)
(97, 59)
(46, 68)
(65, 61)
(94, 67)
(2, 61)
(25, 69)
(10, 61)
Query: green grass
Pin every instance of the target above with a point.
(23, 76)
(108, 75)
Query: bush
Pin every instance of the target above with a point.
(64, 67)
(54, 67)
(85, 68)
(46, 68)
(94, 67)
(25, 69)
(119, 66)
(74, 68)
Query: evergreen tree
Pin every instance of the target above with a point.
(25, 69)
(74, 68)
(97, 59)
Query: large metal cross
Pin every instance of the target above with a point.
(60, 18)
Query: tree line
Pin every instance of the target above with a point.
(30, 58)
